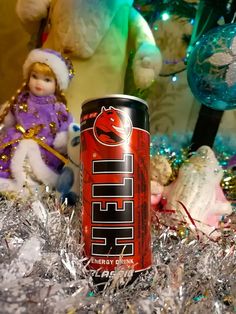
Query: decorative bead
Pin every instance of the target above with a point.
(23, 107)
(53, 128)
(183, 232)
(4, 157)
(228, 299)
(160, 169)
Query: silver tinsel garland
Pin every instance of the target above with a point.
(43, 270)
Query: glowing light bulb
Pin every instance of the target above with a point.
(165, 16)
(174, 78)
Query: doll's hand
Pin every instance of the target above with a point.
(9, 120)
(60, 142)
(146, 65)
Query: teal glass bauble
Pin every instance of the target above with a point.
(211, 68)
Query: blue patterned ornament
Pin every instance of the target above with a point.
(211, 68)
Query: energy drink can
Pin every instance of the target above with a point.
(115, 175)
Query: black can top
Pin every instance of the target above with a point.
(136, 108)
(115, 96)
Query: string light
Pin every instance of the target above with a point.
(172, 73)
(165, 16)
(174, 78)
(163, 10)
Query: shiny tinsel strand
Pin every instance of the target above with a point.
(176, 148)
(43, 270)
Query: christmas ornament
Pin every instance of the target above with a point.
(211, 68)
(196, 193)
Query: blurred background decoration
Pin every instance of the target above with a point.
(173, 108)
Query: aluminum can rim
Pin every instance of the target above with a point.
(115, 96)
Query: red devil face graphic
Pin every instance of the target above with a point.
(112, 126)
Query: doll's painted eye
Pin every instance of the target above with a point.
(48, 79)
(34, 75)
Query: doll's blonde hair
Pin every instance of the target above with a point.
(39, 68)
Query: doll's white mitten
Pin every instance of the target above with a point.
(60, 142)
(146, 65)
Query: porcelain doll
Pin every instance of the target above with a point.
(198, 188)
(35, 123)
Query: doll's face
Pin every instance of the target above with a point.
(41, 84)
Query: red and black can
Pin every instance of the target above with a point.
(115, 175)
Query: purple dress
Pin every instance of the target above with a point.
(31, 112)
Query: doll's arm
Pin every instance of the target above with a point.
(147, 60)
(31, 12)
(7, 118)
(64, 119)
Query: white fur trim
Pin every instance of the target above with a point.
(57, 65)
(32, 10)
(17, 171)
(8, 185)
(17, 164)
(40, 169)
